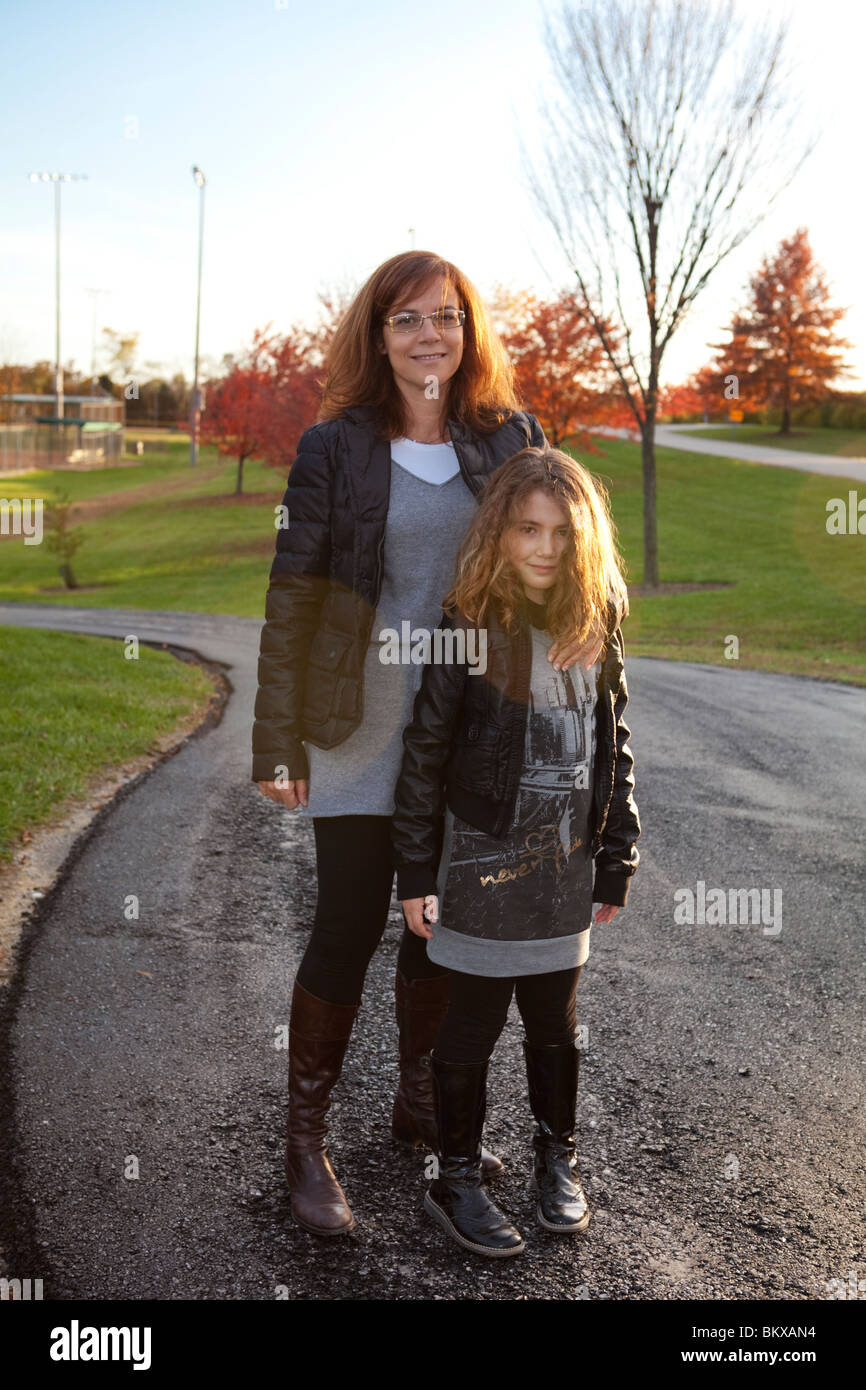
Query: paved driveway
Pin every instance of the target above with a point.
(721, 1105)
(680, 437)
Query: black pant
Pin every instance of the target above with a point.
(355, 877)
(478, 1007)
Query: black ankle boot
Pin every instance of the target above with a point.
(456, 1198)
(552, 1073)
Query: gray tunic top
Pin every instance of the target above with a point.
(426, 523)
(523, 905)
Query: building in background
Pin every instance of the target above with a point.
(91, 432)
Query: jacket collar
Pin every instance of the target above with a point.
(369, 456)
(361, 414)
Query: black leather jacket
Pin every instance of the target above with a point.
(464, 747)
(326, 579)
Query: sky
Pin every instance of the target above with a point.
(326, 131)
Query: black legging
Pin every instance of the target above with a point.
(478, 1007)
(355, 876)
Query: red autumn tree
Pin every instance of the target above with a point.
(560, 365)
(237, 405)
(703, 393)
(266, 400)
(296, 370)
(293, 397)
(783, 350)
(684, 399)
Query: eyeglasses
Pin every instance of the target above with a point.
(410, 321)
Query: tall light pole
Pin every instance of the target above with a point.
(57, 180)
(195, 402)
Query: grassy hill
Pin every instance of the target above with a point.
(162, 535)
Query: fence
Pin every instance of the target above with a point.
(24, 446)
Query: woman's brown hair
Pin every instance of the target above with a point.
(481, 393)
(591, 568)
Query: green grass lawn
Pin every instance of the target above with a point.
(797, 601)
(70, 708)
(167, 536)
(803, 439)
(188, 544)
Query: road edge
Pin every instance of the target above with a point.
(55, 848)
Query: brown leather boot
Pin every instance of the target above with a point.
(421, 1006)
(319, 1033)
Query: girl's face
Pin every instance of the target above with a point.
(429, 351)
(536, 541)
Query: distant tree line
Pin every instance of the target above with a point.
(778, 366)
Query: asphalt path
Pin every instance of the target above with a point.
(681, 437)
(721, 1099)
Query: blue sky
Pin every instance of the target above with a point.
(326, 130)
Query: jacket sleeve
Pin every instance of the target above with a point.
(419, 796)
(618, 857)
(298, 584)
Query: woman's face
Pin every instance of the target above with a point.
(536, 541)
(429, 352)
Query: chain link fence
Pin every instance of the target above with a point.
(24, 446)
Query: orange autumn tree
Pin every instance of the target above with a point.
(235, 406)
(681, 401)
(265, 401)
(559, 364)
(783, 351)
(293, 398)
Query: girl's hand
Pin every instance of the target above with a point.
(565, 653)
(293, 794)
(413, 911)
(606, 913)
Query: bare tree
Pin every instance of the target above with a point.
(670, 133)
(121, 350)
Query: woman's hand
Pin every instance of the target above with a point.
(291, 794)
(565, 653)
(606, 913)
(413, 911)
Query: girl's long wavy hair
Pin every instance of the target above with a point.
(481, 394)
(591, 570)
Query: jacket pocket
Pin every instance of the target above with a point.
(326, 661)
(475, 756)
(327, 650)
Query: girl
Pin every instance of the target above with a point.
(531, 771)
(418, 410)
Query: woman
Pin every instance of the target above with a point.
(418, 411)
(531, 771)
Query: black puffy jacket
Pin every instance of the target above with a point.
(326, 579)
(464, 747)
